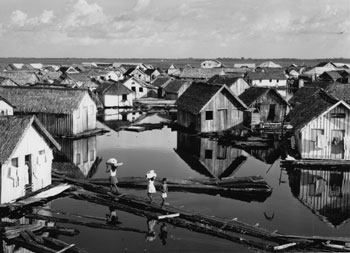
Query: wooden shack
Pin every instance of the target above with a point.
(265, 105)
(207, 157)
(26, 156)
(63, 111)
(321, 126)
(209, 108)
(236, 83)
(175, 88)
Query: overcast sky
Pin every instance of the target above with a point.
(175, 28)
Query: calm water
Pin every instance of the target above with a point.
(309, 207)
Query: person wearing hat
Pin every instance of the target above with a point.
(111, 167)
(151, 189)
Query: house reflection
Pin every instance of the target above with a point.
(325, 192)
(207, 157)
(268, 154)
(78, 156)
(117, 118)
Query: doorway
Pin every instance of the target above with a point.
(28, 174)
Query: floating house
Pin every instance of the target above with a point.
(267, 79)
(160, 83)
(175, 88)
(139, 88)
(209, 108)
(26, 156)
(265, 105)
(211, 64)
(321, 126)
(173, 70)
(63, 112)
(115, 94)
(236, 84)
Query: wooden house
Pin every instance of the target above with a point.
(160, 83)
(265, 105)
(173, 70)
(209, 108)
(26, 156)
(63, 112)
(236, 84)
(207, 73)
(321, 126)
(6, 108)
(267, 79)
(175, 88)
(115, 94)
(326, 193)
(207, 157)
(334, 76)
(208, 64)
(140, 89)
(147, 75)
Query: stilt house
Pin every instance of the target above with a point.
(63, 112)
(209, 108)
(26, 153)
(321, 126)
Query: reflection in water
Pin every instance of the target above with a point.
(267, 155)
(116, 118)
(208, 157)
(325, 192)
(78, 157)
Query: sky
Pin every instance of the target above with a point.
(175, 28)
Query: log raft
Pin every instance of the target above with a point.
(233, 230)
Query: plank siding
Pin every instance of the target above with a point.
(308, 148)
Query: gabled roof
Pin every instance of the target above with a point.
(21, 77)
(174, 86)
(149, 72)
(4, 79)
(263, 75)
(269, 64)
(324, 64)
(249, 96)
(224, 79)
(331, 75)
(111, 87)
(43, 100)
(12, 129)
(340, 91)
(198, 95)
(161, 81)
(314, 106)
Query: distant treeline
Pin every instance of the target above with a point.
(165, 63)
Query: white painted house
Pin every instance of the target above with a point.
(266, 79)
(6, 108)
(115, 94)
(25, 158)
(139, 88)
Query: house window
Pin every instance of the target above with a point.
(140, 89)
(78, 113)
(78, 159)
(270, 80)
(41, 159)
(260, 80)
(315, 133)
(209, 115)
(277, 80)
(272, 112)
(14, 162)
(133, 88)
(208, 154)
(338, 115)
(92, 155)
(124, 97)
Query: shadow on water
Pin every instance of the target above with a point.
(325, 192)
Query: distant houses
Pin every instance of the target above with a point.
(266, 79)
(25, 158)
(63, 112)
(209, 108)
(208, 64)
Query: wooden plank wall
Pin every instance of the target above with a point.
(308, 147)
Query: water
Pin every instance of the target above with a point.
(291, 210)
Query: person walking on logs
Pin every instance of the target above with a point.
(111, 167)
(164, 190)
(151, 189)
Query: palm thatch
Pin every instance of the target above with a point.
(12, 129)
(43, 100)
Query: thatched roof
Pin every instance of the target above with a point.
(112, 88)
(199, 94)
(340, 91)
(249, 96)
(12, 129)
(331, 75)
(21, 77)
(161, 81)
(224, 79)
(174, 86)
(302, 94)
(310, 108)
(43, 100)
(263, 75)
(202, 73)
(5, 81)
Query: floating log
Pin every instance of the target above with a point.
(65, 246)
(196, 222)
(14, 231)
(61, 231)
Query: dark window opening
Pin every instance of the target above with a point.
(272, 112)
(140, 89)
(208, 154)
(133, 88)
(209, 115)
(124, 97)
